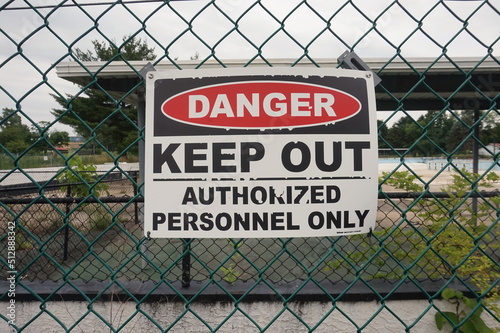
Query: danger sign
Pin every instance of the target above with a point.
(274, 152)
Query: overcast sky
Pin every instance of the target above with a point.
(27, 74)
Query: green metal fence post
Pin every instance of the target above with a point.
(141, 122)
(135, 178)
(66, 225)
(475, 161)
(186, 263)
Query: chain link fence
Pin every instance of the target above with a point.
(70, 229)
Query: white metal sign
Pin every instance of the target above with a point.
(266, 152)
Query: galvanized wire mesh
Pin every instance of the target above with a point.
(73, 239)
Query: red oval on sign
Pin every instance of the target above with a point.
(261, 105)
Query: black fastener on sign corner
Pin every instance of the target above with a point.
(350, 60)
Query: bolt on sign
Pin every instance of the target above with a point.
(260, 152)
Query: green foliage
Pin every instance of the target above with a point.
(131, 48)
(103, 121)
(455, 238)
(440, 132)
(23, 242)
(15, 137)
(231, 272)
(59, 138)
(79, 178)
(332, 266)
(457, 235)
(38, 161)
(491, 128)
(383, 130)
(402, 180)
(467, 314)
(47, 140)
(98, 218)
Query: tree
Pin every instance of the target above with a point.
(132, 48)
(436, 125)
(491, 129)
(15, 137)
(382, 132)
(59, 138)
(404, 133)
(97, 117)
(462, 127)
(47, 140)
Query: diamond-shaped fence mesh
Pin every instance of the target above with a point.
(71, 191)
